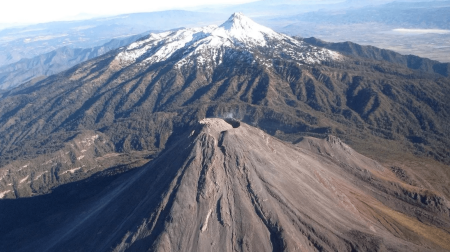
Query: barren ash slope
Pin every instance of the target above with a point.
(231, 187)
(209, 185)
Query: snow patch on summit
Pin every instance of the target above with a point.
(241, 28)
(2, 194)
(206, 46)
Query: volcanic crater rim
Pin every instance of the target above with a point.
(235, 123)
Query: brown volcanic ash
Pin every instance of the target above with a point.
(221, 188)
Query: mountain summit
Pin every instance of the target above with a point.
(241, 28)
(207, 46)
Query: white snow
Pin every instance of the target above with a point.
(23, 180)
(243, 29)
(89, 141)
(206, 46)
(40, 175)
(2, 194)
(47, 162)
(205, 224)
(71, 170)
(80, 157)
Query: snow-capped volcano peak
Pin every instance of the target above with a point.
(242, 28)
(238, 20)
(207, 45)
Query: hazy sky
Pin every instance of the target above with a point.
(32, 11)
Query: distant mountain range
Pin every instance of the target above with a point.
(378, 25)
(54, 62)
(427, 14)
(371, 52)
